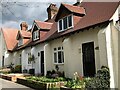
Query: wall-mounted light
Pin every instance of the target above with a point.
(79, 50)
(38, 53)
(97, 48)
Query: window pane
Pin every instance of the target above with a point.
(65, 22)
(60, 25)
(59, 57)
(69, 21)
(38, 34)
(55, 57)
(55, 49)
(59, 48)
(62, 48)
(33, 35)
(62, 57)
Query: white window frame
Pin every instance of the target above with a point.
(67, 23)
(56, 51)
(36, 33)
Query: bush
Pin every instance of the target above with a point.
(77, 82)
(45, 79)
(54, 74)
(18, 69)
(101, 80)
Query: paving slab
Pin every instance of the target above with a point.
(8, 85)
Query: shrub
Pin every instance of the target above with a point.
(101, 80)
(45, 79)
(54, 74)
(77, 82)
(18, 69)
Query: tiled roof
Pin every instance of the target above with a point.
(75, 9)
(44, 25)
(32, 43)
(96, 13)
(25, 34)
(10, 37)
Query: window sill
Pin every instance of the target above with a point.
(36, 39)
(58, 63)
(65, 29)
(29, 64)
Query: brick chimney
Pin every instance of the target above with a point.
(52, 10)
(24, 26)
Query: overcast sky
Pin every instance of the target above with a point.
(14, 12)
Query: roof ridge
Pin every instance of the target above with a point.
(43, 22)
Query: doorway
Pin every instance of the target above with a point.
(3, 61)
(88, 59)
(42, 62)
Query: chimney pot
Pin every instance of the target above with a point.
(52, 10)
(24, 26)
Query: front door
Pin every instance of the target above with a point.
(88, 59)
(3, 61)
(42, 62)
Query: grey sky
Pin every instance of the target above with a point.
(13, 13)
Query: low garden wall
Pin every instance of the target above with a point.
(39, 85)
(10, 78)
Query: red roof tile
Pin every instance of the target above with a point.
(75, 9)
(10, 37)
(44, 25)
(96, 13)
(25, 34)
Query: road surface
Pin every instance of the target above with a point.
(8, 85)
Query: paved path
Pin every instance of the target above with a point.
(8, 85)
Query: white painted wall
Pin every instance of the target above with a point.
(119, 59)
(115, 53)
(72, 51)
(16, 57)
(102, 48)
(112, 44)
(25, 64)
(3, 49)
(34, 50)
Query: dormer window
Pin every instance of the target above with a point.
(35, 35)
(65, 23)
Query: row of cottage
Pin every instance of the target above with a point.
(78, 38)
